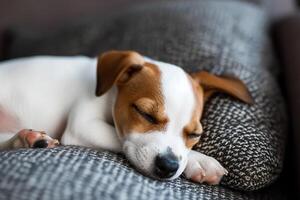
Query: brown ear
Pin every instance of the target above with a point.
(226, 84)
(116, 66)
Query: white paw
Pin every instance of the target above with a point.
(201, 168)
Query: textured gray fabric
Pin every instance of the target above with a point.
(223, 37)
(84, 174)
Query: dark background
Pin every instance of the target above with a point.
(48, 15)
(53, 13)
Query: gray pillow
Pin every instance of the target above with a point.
(76, 173)
(222, 37)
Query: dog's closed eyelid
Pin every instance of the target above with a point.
(146, 105)
(193, 128)
(194, 135)
(150, 118)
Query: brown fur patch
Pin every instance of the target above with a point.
(112, 67)
(143, 90)
(228, 84)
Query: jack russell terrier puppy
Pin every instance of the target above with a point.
(147, 109)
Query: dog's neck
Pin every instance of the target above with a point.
(105, 104)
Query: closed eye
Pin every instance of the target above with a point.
(145, 115)
(194, 136)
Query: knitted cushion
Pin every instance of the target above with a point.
(77, 173)
(222, 37)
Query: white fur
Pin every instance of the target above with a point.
(42, 92)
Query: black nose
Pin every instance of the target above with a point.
(166, 165)
(40, 144)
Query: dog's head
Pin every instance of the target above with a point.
(158, 108)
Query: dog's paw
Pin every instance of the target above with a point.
(29, 138)
(204, 169)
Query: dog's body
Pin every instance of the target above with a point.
(48, 84)
(150, 110)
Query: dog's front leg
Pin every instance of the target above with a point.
(87, 127)
(94, 133)
(201, 168)
(28, 138)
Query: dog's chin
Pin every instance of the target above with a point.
(143, 160)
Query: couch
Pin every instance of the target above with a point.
(72, 172)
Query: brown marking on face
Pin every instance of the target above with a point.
(140, 99)
(194, 126)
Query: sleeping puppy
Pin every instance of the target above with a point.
(147, 109)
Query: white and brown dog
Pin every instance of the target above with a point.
(149, 110)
